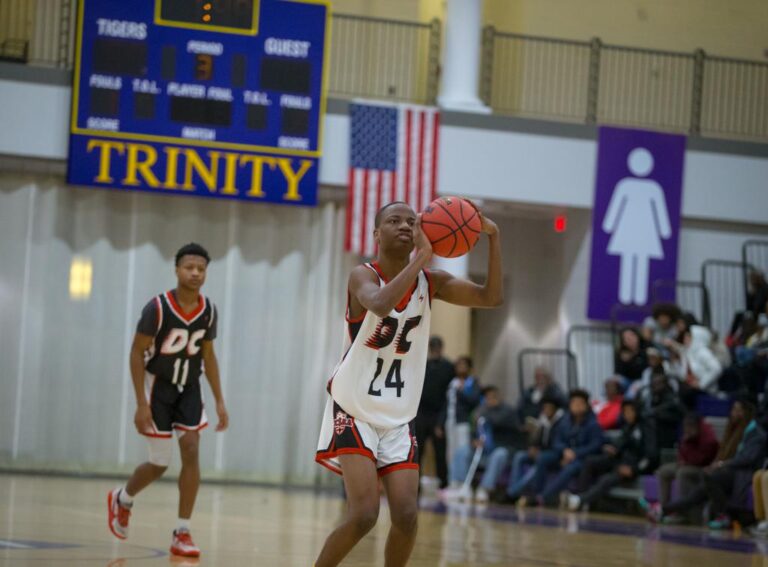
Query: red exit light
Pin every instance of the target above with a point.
(561, 223)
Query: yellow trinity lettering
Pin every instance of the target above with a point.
(257, 164)
(293, 177)
(105, 158)
(171, 167)
(209, 175)
(230, 174)
(143, 166)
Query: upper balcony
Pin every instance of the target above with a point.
(544, 78)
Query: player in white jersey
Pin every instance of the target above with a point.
(367, 430)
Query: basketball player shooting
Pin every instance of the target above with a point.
(172, 345)
(367, 431)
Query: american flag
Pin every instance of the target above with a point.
(393, 157)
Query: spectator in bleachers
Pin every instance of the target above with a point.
(578, 437)
(693, 361)
(499, 433)
(752, 359)
(662, 324)
(608, 411)
(630, 357)
(661, 407)
(656, 365)
(697, 449)
(726, 482)
(463, 397)
(542, 437)
(757, 296)
(543, 387)
(760, 503)
(631, 454)
(438, 376)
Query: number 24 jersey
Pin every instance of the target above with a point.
(380, 378)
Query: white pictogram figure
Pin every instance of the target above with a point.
(637, 220)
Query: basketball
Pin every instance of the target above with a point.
(452, 225)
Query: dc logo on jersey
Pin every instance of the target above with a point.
(341, 422)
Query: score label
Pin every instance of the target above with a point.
(215, 98)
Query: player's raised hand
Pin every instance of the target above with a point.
(488, 226)
(143, 419)
(221, 411)
(420, 240)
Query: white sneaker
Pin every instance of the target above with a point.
(481, 496)
(183, 545)
(465, 494)
(574, 503)
(117, 515)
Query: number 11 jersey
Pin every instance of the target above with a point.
(380, 378)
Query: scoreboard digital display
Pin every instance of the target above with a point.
(222, 98)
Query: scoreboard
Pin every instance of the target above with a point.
(219, 98)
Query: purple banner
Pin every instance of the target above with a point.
(635, 220)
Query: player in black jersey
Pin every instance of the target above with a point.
(172, 346)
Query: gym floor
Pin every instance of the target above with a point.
(62, 521)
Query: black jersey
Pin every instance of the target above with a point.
(176, 355)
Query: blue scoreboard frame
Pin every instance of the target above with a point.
(216, 98)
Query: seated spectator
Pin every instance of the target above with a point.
(630, 358)
(661, 408)
(752, 358)
(464, 395)
(661, 325)
(656, 365)
(622, 460)
(575, 439)
(693, 361)
(543, 386)
(697, 449)
(760, 504)
(499, 433)
(608, 412)
(541, 440)
(728, 479)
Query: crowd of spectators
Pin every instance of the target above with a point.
(555, 446)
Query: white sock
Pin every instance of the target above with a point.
(182, 524)
(125, 499)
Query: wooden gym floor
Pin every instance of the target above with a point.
(50, 521)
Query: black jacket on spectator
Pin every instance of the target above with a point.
(633, 368)
(530, 408)
(749, 457)
(504, 424)
(439, 374)
(664, 413)
(636, 447)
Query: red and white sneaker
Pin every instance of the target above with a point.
(117, 514)
(183, 545)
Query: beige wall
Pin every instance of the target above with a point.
(396, 9)
(735, 28)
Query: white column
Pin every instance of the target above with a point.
(461, 57)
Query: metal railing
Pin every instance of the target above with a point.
(754, 253)
(691, 297)
(593, 348)
(560, 363)
(589, 82)
(725, 281)
(389, 59)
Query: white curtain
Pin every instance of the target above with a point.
(278, 277)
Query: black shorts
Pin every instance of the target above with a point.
(173, 409)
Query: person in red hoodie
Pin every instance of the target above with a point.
(608, 412)
(697, 449)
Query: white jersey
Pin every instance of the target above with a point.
(380, 378)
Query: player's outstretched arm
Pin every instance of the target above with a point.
(469, 294)
(143, 417)
(211, 364)
(381, 300)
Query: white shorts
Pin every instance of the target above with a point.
(341, 434)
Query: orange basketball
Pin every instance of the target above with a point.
(452, 225)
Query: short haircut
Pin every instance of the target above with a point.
(435, 342)
(380, 213)
(192, 249)
(579, 393)
(489, 389)
(552, 400)
(630, 403)
(669, 309)
(466, 360)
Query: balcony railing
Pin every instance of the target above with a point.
(573, 81)
(590, 82)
